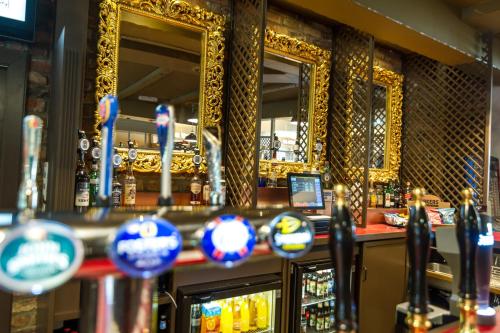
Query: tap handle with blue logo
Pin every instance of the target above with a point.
(108, 110)
(165, 123)
(214, 160)
(468, 237)
(32, 138)
(342, 239)
(418, 232)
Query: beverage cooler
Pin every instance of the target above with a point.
(250, 305)
(312, 300)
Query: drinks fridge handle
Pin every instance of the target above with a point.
(165, 123)
(32, 138)
(468, 236)
(342, 238)
(108, 110)
(214, 158)
(418, 242)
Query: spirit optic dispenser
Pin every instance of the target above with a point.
(418, 242)
(342, 238)
(468, 238)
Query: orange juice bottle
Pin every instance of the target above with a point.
(252, 312)
(237, 315)
(245, 315)
(226, 318)
(262, 312)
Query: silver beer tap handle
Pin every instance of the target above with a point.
(32, 138)
(214, 161)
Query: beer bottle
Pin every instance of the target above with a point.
(312, 317)
(326, 317)
(320, 318)
(313, 281)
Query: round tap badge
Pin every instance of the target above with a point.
(291, 235)
(228, 240)
(39, 256)
(146, 247)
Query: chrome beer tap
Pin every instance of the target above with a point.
(165, 126)
(27, 201)
(214, 158)
(108, 110)
(418, 234)
(342, 238)
(468, 237)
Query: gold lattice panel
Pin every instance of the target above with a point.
(303, 111)
(445, 111)
(244, 97)
(350, 116)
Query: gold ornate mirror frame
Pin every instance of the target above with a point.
(179, 13)
(320, 59)
(394, 106)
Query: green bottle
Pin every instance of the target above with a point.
(94, 183)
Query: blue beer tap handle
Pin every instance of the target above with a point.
(165, 123)
(108, 110)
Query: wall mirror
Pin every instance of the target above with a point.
(161, 52)
(294, 104)
(385, 148)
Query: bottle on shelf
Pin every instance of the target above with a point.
(237, 315)
(196, 183)
(129, 181)
(326, 176)
(312, 316)
(94, 174)
(226, 319)
(380, 196)
(262, 312)
(206, 193)
(304, 316)
(82, 179)
(372, 195)
(388, 196)
(252, 312)
(326, 316)
(245, 315)
(407, 194)
(313, 281)
(397, 195)
(117, 188)
(272, 178)
(320, 318)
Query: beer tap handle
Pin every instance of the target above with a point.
(418, 240)
(342, 238)
(32, 138)
(468, 237)
(165, 122)
(108, 110)
(214, 158)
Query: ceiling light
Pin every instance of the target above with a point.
(193, 120)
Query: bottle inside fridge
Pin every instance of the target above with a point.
(252, 313)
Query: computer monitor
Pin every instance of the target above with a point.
(17, 19)
(305, 191)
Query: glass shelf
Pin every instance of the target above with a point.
(311, 300)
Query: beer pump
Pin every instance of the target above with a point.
(418, 242)
(467, 230)
(342, 238)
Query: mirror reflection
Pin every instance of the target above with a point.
(284, 131)
(159, 62)
(379, 126)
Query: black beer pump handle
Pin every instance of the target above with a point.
(468, 236)
(342, 238)
(418, 242)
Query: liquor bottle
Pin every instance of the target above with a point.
(380, 196)
(326, 176)
(94, 174)
(320, 318)
(206, 193)
(272, 178)
(82, 185)
(372, 196)
(117, 189)
(196, 184)
(397, 195)
(388, 196)
(129, 182)
(407, 195)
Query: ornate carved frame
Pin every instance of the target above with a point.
(392, 155)
(320, 59)
(176, 12)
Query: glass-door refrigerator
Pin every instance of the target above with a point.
(312, 300)
(249, 305)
